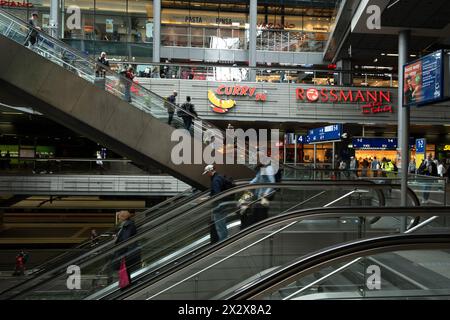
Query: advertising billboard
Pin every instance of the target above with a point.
(424, 80)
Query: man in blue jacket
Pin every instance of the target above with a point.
(219, 230)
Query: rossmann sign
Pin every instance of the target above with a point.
(373, 101)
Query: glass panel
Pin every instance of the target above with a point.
(191, 231)
(406, 274)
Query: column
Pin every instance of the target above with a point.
(252, 39)
(156, 30)
(403, 120)
(345, 79)
(55, 17)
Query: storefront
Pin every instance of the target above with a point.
(294, 151)
(443, 152)
(124, 28)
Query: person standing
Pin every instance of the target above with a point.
(132, 252)
(94, 237)
(218, 229)
(172, 99)
(412, 166)
(101, 61)
(33, 35)
(187, 118)
(440, 169)
(130, 76)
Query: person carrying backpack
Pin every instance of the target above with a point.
(265, 174)
(171, 100)
(218, 229)
(187, 118)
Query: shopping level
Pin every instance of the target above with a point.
(148, 140)
(168, 236)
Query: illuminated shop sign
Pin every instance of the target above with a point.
(275, 26)
(374, 101)
(223, 105)
(17, 4)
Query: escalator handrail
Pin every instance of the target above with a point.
(205, 124)
(291, 217)
(381, 202)
(339, 253)
(211, 200)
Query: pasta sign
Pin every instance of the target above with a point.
(17, 4)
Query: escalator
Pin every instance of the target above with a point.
(167, 242)
(266, 250)
(61, 83)
(408, 266)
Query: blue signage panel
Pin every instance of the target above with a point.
(420, 145)
(423, 80)
(377, 143)
(328, 133)
(303, 139)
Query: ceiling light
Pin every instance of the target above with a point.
(392, 54)
(383, 54)
(413, 55)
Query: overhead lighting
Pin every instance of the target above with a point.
(413, 55)
(383, 54)
(375, 60)
(392, 54)
(12, 112)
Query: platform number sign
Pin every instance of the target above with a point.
(420, 145)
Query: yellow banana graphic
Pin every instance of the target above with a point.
(224, 104)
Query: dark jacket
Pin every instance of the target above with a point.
(217, 184)
(131, 252)
(189, 107)
(127, 230)
(170, 108)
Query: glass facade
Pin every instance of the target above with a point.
(124, 28)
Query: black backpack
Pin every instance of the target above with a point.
(278, 175)
(228, 183)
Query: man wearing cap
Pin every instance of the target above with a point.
(220, 231)
(33, 22)
(170, 108)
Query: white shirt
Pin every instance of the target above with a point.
(440, 170)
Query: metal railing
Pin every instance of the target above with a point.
(100, 75)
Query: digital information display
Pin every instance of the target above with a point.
(377, 143)
(423, 80)
(328, 133)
